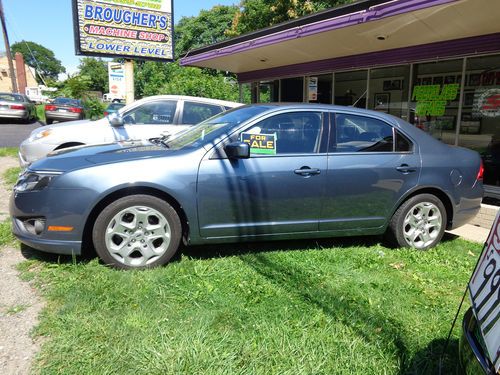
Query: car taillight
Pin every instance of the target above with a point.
(50, 107)
(480, 173)
(75, 110)
(106, 113)
(17, 106)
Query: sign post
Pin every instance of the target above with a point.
(129, 81)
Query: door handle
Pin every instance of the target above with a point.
(405, 168)
(306, 171)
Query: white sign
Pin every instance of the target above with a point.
(484, 292)
(313, 89)
(116, 74)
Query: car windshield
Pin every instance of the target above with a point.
(66, 101)
(11, 97)
(214, 127)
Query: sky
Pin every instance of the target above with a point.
(50, 23)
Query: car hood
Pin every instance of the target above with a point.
(72, 158)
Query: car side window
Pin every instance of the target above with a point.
(195, 113)
(365, 134)
(160, 112)
(290, 133)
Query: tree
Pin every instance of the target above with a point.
(153, 78)
(97, 72)
(258, 14)
(40, 58)
(208, 27)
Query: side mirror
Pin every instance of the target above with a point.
(237, 150)
(115, 120)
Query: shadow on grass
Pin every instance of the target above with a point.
(32, 254)
(428, 360)
(243, 248)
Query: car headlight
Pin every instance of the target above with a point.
(40, 135)
(34, 181)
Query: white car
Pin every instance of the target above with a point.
(146, 118)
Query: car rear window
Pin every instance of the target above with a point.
(67, 101)
(11, 97)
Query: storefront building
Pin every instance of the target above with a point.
(434, 63)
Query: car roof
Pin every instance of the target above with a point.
(191, 98)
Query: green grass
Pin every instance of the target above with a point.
(6, 237)
(10, 176)
(8, 151)
(329, 307)
(40, 112)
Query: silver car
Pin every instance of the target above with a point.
(147, 118)
(17, 107)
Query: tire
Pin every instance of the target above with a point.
(418, 223)
(123, 241)
(49, 122)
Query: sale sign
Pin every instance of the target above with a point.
(484, 292)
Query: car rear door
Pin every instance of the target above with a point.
(371, 165)
(278, 190)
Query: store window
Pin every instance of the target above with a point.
(389, 90)
(434, 103)
(351, 88)
(480, 119)
(292, 89)
(269, 91)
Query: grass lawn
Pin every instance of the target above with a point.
(9, 151)
(304, 307)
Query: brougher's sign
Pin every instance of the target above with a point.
(484, 291)
(124, 28)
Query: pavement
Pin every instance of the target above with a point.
(471, 233)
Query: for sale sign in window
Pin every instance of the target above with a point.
(484, 291)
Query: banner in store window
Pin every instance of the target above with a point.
(432, 99)
(486, 103)
(124, 28)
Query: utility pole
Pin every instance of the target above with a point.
(7, 49)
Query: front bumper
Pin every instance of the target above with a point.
(56, 208)
(473, 358)
(30, 152)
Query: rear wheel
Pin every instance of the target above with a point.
(49, 122)
(418, 223)
(136, 232)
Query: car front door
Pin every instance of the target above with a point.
(148, 120)
(371, 165)
(278, 190)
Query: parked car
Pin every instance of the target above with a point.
(64, 109)
(258, 172)
(143, 119)
(17, 107)
(112, 108)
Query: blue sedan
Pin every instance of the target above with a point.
(259, 172)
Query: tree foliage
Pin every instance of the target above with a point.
(97, 72)
(208, 27)
(258, 14)
(40, 58)
(154, 78)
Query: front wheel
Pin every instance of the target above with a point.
(136, 232)
(418, 223)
